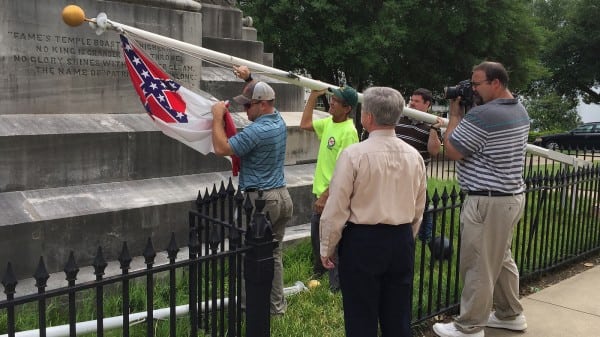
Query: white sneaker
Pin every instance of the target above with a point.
(450, 330)
(517, 324)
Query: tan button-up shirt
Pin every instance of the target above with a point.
(380, 180)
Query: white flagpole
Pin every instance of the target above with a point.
(102, 23)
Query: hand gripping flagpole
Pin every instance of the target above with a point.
(74, 16)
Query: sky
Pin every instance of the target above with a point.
(589, 112)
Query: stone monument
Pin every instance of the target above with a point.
(81, 164)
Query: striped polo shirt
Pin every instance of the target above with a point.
(261, 148)
(416, 134)
(492, 138)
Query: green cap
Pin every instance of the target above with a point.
(347, 94)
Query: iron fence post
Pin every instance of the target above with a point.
(9, 281)
(258, 272)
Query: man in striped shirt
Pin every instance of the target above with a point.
(489, 142)
(423, 137)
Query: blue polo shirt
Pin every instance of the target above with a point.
(261, 149)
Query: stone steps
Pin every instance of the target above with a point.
(76, 181)
(52, 222)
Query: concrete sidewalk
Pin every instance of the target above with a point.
(570, 308)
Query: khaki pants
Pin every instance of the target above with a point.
(279, 206)
(489, 272)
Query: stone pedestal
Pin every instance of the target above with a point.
(81, 164)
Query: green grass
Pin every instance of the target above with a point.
(318, 312)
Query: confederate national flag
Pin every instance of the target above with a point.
(178, 112)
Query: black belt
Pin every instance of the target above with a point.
(256, 189)
(492, 193)
(352, 224)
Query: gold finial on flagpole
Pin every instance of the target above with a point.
(73, 15)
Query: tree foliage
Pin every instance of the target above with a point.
(400, 43)
(551, 112)
(446, 39)
(334, 41)
(572, 46)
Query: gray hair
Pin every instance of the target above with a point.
(386, 105)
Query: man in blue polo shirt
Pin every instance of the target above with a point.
(261, 149)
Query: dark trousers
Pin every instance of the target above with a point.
(318, 269)
(376, 274)
(315, 220)
(426, 229)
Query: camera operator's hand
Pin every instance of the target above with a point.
(456, 110)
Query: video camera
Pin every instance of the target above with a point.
(463, 90)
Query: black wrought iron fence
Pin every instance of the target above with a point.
(204, 287)
(561, 223)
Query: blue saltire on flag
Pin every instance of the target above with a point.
(178, 112)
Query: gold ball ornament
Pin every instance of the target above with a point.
(312, 284)
(73, 15)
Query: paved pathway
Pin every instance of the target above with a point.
(570, 308)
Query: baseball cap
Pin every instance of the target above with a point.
(346, 93)
(256, 90)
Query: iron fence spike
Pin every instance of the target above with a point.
(41, 274)
(71, 268)
(230, 188)
(172, 249)
(206, 197)
(239, 197)
(222, 191)
(149, 252)
(214, 194)
(9, 281)
(99, 263)
(125, 257)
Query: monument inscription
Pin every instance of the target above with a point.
(76, 56)
(51, 68)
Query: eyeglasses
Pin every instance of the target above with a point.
(248, 105)
(476, 84)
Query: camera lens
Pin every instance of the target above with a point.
(451, 92)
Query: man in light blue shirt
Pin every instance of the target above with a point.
(261, 149)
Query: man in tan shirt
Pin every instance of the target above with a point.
(374, 213)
